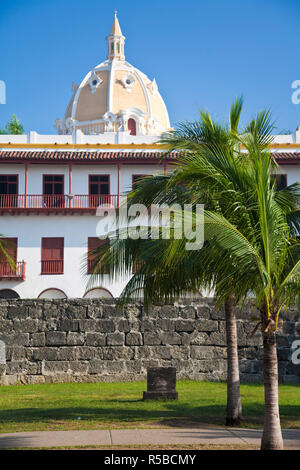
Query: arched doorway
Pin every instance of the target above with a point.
(8, 294)
(132, 126)
(98, 293)
(52, 294)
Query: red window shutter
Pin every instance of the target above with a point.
(11, 247)
(52, 255)
(93, 244)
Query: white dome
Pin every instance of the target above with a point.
(115, 97)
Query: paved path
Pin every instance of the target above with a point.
(201, 435)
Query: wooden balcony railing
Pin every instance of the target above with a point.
(57, 202)
(16, 272)
(52, 266)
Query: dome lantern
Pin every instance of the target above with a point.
(115, 41)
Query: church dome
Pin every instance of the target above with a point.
(115, 97)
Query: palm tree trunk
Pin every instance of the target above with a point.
(234, 405)
(272, 436)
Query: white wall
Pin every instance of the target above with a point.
(80, 175)
(75, 230)
(292, 171)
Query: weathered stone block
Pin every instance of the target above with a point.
(165, 324)
(170, 338)
(114, 353)
(198, 338)
(17, 311)
(133, 339)
(184, 325)
(67, 353)
(56, 338)
(151, 338)
(88, 325)
(97, 366)
(79, 367)
(105, 326)
(217, 339)
(45, 354)
(69, 325)
(85, 353)
(37, 339)
(76, 312)
(206, 325)
(147, 325)
(55, 367)
(124, 326)
(115, 339)
(15, 339)
(18, 353)
(95, 339)
(168, 311)
(6, 327)
(15, 367)
(188, 312)
(26, 326)
(75, 339)
(161, 352)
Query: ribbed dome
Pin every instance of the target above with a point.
(115, 96)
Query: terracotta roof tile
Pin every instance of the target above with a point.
(84, 156)
(97, 156)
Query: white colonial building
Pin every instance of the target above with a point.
(51, 185)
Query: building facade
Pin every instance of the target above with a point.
(51, 185)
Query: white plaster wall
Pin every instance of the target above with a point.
(292, 171)
(75, 230)
(36, 172)
(19, 169)
(80, 175)
(128, 170)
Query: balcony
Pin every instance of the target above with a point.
(52, 266)
(64, 203)
(15, 273)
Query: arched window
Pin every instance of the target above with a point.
(98, 293)
(132, 126)
(8, 294)
(52, 293)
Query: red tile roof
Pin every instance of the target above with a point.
(281, 157)
(84, 156)
(101, 156)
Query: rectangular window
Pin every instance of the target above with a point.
(93, 244)
(53, 191)
(99, 190)
(52, 256)
(10, 245)
(136, 179)
(9, 189)
(280, 181)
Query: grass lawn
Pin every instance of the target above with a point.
(119, 405)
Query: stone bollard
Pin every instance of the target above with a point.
(161, 383)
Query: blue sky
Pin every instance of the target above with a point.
(202, 54)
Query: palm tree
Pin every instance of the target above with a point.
(249, 244)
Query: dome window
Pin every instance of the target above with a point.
(128, 81)
(94, 81)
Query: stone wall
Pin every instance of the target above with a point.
(91, 340)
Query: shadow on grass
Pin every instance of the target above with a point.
(161, 413)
